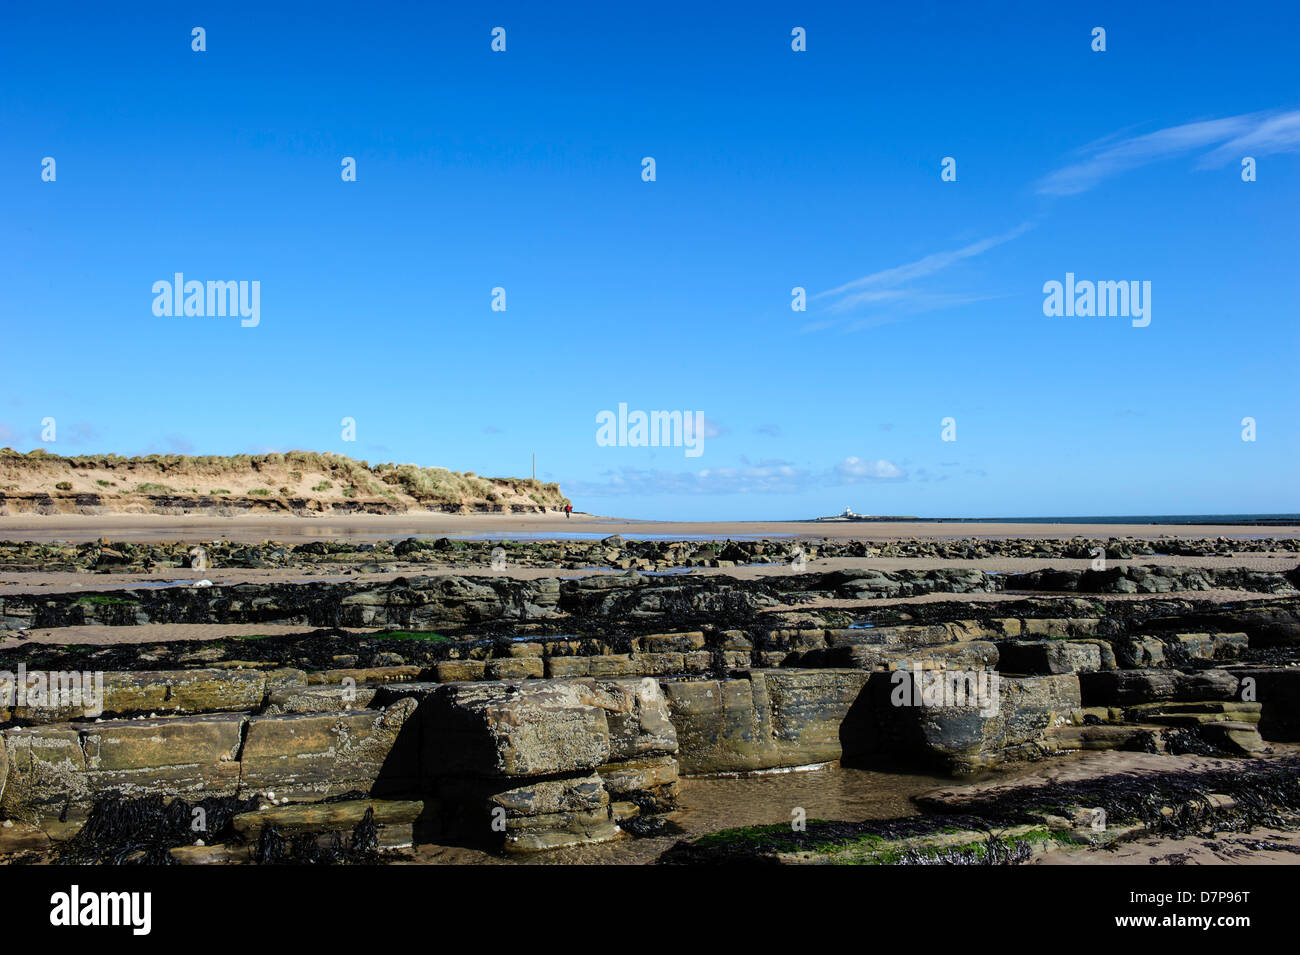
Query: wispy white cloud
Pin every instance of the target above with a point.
(885, 288)
(916, 300)
(1277, 134)
(1235, 136)
(854, 470)
(887, 295)
(883, 285)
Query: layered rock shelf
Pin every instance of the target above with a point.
(433, 601)
(527, 715)
(615, 552)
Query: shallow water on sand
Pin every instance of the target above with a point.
(712, 803)
(598, 536)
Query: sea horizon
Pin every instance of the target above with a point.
(1260, 519)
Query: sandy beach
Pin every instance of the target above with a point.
(540, 526)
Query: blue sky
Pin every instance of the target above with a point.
(774, 169)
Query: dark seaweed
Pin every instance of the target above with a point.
(141, 830)
(308, 848)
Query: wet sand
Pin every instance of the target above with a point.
(1258, 847)
(712, 803)
(152, 527)
(1263, 846)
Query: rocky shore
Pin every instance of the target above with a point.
(403, 704)
(614, 552)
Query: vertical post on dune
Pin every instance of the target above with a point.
(534, 465)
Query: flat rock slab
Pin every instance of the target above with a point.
(211, 855)
(329, 698)
(1049, 656)
(47, 770)
(317, 755)
(1131, 687)
(541, 727)
(585, 794)
(512, 729)
(765, 719)
(219, 754)
(164, 692)
(22, 837)
(122, 746)
(1104, 736)
(400, 822)
(195, 691)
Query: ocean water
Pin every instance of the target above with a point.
(1262, 520)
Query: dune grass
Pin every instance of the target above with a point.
(354, 478)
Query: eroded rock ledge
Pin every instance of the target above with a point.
(528, 715)
(431, 601)
(615, 552)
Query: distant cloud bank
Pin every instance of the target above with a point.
(765, 477)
